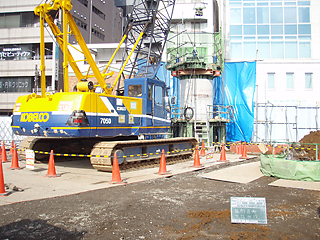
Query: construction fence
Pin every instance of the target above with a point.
(6, 133)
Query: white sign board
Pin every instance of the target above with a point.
(210, 152)
(30, 159)
(248, 210)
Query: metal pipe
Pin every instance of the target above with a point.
(286, 116)
(296, 123)
(65, 49)
(256, 106)
(42, 55)
(109, 90)
(116, 51)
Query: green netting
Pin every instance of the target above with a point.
(280, 167)
(209, 47)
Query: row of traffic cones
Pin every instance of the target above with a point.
(116, 178)
(242, 150)
(3, 152)
(15, 166)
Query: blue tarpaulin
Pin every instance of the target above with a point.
(239, 81)
(236, 88)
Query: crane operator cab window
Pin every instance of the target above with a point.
(135, 90)
(150, 92)
(158, 95)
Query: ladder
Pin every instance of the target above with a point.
(202, 131)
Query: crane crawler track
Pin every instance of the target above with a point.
(131, 153)
(141, 153)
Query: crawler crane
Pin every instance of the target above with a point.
(99, 123)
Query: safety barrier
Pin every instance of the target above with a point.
(106, 156)
(283, 147)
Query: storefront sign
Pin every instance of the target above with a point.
(22, 84)
(15, 53)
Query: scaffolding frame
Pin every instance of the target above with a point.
(291, 124)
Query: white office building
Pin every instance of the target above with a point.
(283, 37)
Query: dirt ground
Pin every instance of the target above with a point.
(309, 153)
(183, 206)
(312, 137)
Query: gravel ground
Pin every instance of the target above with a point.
(184, 206)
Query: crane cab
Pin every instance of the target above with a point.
(147, 86)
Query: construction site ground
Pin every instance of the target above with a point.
(187, 204)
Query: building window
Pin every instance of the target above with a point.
(290, 15)
(84, 2)
(236, 50)
(195, 27)
(291, 50)
(249, 15)
(249, 49)
(235, 15)
(276, 14)
(249, 30)
(235, 30)
(263, 50)
(308, 81)
(16, 20)
(262, 15)
(80, 23)
(305, 50)
(97, 34)
(285, 22)
(263, 29)
(98, 12)
(304, 14)
(277, 50)
(290, 81)
(271, 81)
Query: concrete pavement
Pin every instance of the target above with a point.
(78, 176)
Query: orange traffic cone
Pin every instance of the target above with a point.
(14, 163)
(163, 166)
(0, 149)
(244, 152)
(2, 187)
(51, 167)
(11, 149)
(223, 154)
(203, 149)
(196, 162)
(240, 148)
(116, 178)
(4, 154)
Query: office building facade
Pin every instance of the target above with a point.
(99, 21)
(282, 36)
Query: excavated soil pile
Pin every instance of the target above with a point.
(309, 153)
